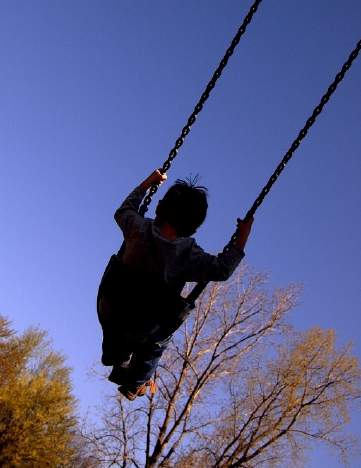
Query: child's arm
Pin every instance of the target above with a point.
(127, 213)
(207, 267)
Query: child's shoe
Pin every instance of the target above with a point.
(131, 392)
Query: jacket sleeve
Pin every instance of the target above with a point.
(206, 267)
(127, 216)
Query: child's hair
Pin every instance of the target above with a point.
(184, 206)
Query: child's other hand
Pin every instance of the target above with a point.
(155, 178)
(243, 231)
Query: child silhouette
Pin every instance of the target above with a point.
(157, 252)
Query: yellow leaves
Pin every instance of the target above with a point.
(36, 406)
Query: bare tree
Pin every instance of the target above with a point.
(237, 387)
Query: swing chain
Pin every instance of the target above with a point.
(301, 135)
(199, 287)
(303, 132)
(199, 106)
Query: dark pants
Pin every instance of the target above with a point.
(143, 363)
(120, 343)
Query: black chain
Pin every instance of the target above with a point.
(309, 122)
(199, 106)
(301, 135)
(197, 290)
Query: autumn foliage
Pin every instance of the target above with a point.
(37, 423)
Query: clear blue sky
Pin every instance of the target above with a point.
(92, 96)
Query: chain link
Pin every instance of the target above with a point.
(199, 106)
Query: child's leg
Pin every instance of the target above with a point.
(145, 360)
(120, 372)
(115, 351)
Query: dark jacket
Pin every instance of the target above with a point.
(176, 262)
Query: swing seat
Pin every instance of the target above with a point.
(138, 304)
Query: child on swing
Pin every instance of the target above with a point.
(161, 247)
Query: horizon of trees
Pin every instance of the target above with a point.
(237, 387)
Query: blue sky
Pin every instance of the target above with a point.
(93, 95)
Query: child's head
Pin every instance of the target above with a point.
(184, 207)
